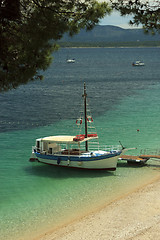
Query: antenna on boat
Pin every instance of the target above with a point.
(85, 114)
(121, 145)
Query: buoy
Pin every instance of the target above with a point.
(79, 121)
(89, 119)
(137, 130)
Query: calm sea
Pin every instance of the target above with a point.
(35, 198)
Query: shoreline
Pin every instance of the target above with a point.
(135, 215)
(117, 47)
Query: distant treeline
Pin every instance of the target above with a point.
(111, 44)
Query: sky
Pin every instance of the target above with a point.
(116, 20)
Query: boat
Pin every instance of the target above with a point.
(80, 151)
(71, 60)
(138, 63)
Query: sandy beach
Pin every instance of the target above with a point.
(135, 216)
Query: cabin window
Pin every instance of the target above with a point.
(38, 144)
(50, 151)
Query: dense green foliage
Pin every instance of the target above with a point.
(145, 12)
(26, 28)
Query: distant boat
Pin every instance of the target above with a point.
(71, 60)
(137, 63)
(73, 151)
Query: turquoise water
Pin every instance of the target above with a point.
(35, 198)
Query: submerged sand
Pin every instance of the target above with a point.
(135, 216)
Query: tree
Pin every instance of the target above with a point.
(27, 28)
(144, 12)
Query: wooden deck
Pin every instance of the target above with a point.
(138, 159)
(133, 159)
(149, 156)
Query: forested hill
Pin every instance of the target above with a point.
(110, 33)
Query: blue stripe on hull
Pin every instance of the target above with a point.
(77, 158)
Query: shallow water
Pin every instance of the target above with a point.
(34, 197)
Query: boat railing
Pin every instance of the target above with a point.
(107, 148)
(35, 148)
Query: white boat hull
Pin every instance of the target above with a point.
(106, 163)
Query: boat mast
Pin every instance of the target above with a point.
(85, 114)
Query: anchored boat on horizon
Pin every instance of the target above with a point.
(138, 64)
(71, 60)
(80, 151)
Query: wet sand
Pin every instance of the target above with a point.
(135, 216)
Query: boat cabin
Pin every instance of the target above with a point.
(66, 145)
